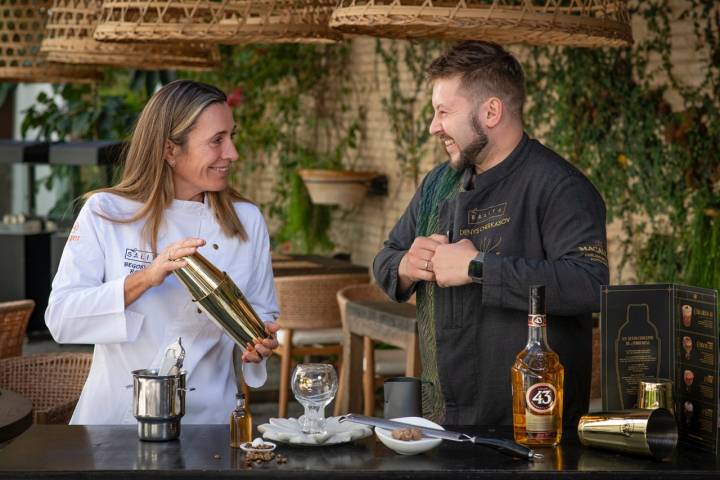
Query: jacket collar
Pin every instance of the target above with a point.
(473, 181)
(189, 206)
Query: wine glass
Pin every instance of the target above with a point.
(314, 386)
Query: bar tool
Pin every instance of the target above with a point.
(219, 297)
(644, 432)
(507, 447)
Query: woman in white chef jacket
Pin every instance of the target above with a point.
(113, 287)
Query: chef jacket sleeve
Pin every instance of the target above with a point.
(400, 239)
(261, 295)
(83, 307)
(575, 265)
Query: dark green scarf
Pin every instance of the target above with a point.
(440, 185)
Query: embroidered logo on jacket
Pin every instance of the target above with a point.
(480, 215)
(136, 259)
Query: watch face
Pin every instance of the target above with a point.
(475, 270)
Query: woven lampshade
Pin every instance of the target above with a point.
(582, 23)
(22, 27)
(70, 39)
(219, 21)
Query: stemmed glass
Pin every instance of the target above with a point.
(314, 386)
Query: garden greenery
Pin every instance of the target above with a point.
(656, 165)
(608, 111)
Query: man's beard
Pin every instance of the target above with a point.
(470, 155)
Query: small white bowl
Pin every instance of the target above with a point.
(249, 447)
(411, 447)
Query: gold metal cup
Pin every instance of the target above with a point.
(656, 393)
(643, 432)
(221, 299)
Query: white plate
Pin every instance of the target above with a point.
(288, 430)
(411, 447)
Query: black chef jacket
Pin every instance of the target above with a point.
(539, 221)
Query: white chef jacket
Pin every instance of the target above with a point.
(87, 305)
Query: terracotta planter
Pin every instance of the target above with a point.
(336, 187)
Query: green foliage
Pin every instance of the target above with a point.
(291, 103)
(606, 110)
(103, 111)
(407, 113)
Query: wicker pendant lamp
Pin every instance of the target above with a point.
(22, 27)
(218, 21)
(583, 23)
(70, 39)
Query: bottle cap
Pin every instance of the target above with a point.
(537, 300)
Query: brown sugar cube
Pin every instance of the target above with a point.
(407, 434)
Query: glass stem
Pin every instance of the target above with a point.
(314, 419)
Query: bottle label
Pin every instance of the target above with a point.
(540, 397)
(539, 427)
(537, 321)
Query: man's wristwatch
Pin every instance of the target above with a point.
(475, 269)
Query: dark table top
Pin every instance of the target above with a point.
(15, 414)
(292, 265)
(62, 451)
(392, 314)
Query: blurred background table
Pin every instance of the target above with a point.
(285, 265)
(381, 321)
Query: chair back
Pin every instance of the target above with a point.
(14, 317)
(309, 302)
(53, 381)
(367, 291)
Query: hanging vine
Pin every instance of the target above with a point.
(408, 110)
(655, 164)
(291, 103)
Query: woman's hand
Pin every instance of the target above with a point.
(153, 275)
(171, 259)
(262, 349)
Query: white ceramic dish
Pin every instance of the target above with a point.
(287, 430)
(412, 447)
(251, 447)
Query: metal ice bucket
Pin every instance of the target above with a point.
(158, 404)
(221, 299)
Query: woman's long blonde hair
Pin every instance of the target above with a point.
(170, 114)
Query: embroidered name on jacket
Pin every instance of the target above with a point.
(137, 259)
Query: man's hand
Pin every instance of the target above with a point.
(262, 348)
(416, 264)
(451, 262)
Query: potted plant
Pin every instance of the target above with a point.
(345, 188)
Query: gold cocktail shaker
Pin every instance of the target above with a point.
(643, 432)
(221, 299)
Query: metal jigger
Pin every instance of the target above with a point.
(222, 300)
(656, 393)
(643, 432)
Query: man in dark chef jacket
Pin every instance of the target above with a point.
(503, 213)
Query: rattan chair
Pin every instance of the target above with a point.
(14, 317)
(309, 321)
(378, 364)
(53, 381)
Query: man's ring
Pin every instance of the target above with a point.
(427, 265)
(170, 258)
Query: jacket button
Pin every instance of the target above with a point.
(216, 246)
(199, 311)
